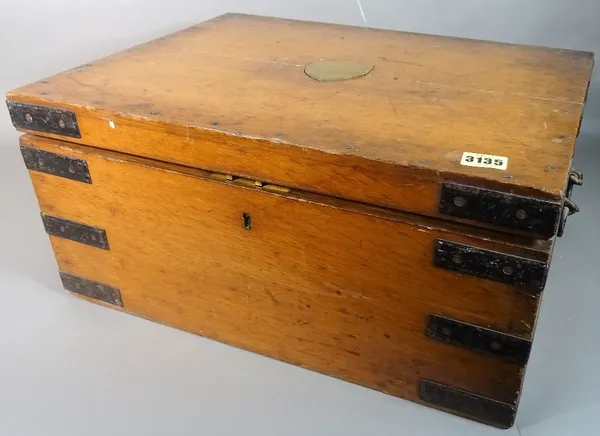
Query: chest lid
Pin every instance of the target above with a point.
(460, 129)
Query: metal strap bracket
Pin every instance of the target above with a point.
(43, 119)
(468, 404)
(56, 164)
(75, 231)
(91, 289)
(529, 274)
(480, 339)
(502, 209)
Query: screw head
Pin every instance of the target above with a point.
(41, 162)
(61, 123)
(71, 169)
(521, 214)
(495, 345)
(457, 258)
(28, 118)
(460, 201)
(446, 331)
(508, 270)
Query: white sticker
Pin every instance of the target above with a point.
(484, 161)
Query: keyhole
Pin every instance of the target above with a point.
(247, 221)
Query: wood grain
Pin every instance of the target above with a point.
(230, 95)
(332, 287)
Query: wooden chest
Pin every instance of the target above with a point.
(374, 205)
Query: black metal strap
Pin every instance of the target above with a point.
(480, 339)
(529, 274)
(44, 119)
(56, 164)
(91, 289)
(500, 208)
(74, 231)
(468, 404)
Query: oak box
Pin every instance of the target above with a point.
(374, 205)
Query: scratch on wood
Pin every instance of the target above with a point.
(339, 348)
(270, 294)
(500, 93)
(249, 59)
(85, 84)
(393, 107)
(301, 322)
(503, 129)
(327, 97)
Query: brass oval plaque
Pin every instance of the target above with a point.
(331, 70)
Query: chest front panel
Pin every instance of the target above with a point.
(329, 285)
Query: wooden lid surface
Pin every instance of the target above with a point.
(231, 95)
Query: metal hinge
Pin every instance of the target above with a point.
(45, 119)
(480, 339)
(249, 183)
(468, 404)
(91, 289)
(56, 164)
(529, 274)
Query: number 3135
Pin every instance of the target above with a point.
(484, 160)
